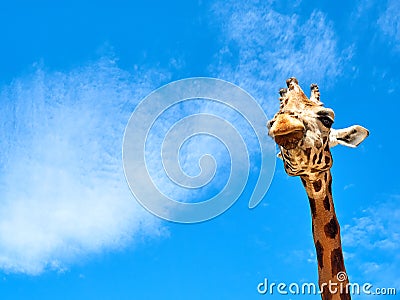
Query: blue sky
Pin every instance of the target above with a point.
(72, 72)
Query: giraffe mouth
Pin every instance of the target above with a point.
(289, 140)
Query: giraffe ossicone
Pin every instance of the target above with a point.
(302, 130)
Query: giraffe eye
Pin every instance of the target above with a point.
(326, 121)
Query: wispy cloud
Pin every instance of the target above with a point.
(389, 23)
(373, 241)
(63, 193)
(225, 129)
(348, 186)
(379, 20)
(263, 47)
(379, 228)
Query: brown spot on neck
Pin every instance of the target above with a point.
(332, 228)
(317, 185)
(326, 294)
(345, 296)
(327, 204)
(337, 262)
(330, 185)
(313, 207)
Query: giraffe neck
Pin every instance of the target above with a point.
(326, 234)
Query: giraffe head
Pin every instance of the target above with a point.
(302, 129)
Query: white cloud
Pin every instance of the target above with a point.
(263, 47)
(230, 162)
(195, 147)
(348, 186)
(373, 241)
(361, 10)
(389, 23)
(379, 229)
(63, 193)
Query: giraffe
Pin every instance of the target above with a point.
(302, 130)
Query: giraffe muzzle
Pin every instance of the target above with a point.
(287, 131)
(290, 140)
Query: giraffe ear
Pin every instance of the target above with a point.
(279, 155)
(351, 136)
